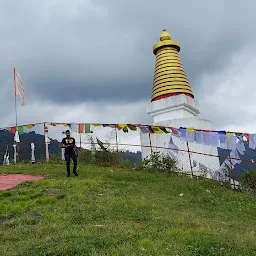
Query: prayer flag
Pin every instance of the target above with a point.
(206, 138)
(74, 127)
(132, 127)
(18, 89)
(80, 128)
(172, 149)
(234, 154)
(87, 128)
(20, 129)
(13, 129)
(118, 127)
(252, 143)
(183, 134)
(163, 129)
(156, 129)
(223, 139)
(214, 137)
(231, 141)
(199, 137)
(29, 126)
(190, 134)
(175, 132)
(144, 129)
(16, 137)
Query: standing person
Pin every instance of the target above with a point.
(69, 144)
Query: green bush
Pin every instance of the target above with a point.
(107, 158)
(101, 158)
(248, 181)
(159, 162)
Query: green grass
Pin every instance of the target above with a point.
(108, 211)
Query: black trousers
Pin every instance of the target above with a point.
(72, 156)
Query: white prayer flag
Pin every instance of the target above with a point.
(252, 141)
(199, 137)
(214, 138)
(172, 149)
(231, 142)
(190, 135)
(17, 137)
(183, 134)
(74, 127)
(223, 140)
(206, 138)
(19, 91)
(234, 154)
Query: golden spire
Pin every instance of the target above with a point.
(170, 78)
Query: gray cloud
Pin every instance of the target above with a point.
(71, 52)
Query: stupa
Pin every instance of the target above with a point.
(173, 104)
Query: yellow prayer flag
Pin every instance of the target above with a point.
(156, 129)
(122, 125)
(29, 126)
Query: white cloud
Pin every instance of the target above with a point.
(228, 97)
(98, 112)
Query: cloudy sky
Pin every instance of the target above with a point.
(92, 60)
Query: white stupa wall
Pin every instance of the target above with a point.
(181, 111)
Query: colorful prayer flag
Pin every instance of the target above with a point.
(183, 133)
(29, 126)
(80, 128)
(163, 129)
(223, 139)
(87, 128)
(190, 135)
(132, 127)
(13, 130)
(20, 129)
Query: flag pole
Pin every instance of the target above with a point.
(16, 117)
(15, 98)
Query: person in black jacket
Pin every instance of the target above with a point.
(69, 144)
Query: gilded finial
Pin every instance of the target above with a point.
(165, 35)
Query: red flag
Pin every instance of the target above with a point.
(13, 130)
(80, 128)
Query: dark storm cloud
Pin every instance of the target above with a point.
(103, 49)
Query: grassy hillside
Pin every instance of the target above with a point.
(108, 211)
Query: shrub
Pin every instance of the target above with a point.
(248, 181)
(107, 158)
(101, 158)
(159, 162)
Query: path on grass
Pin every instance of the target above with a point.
(12, 180)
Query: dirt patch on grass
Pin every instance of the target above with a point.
(12, 180)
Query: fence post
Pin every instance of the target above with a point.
(46, 143)
(33, 160)
(191, 168)
(14, 153)
(116, 140)
(150, 143)
(231, 169)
